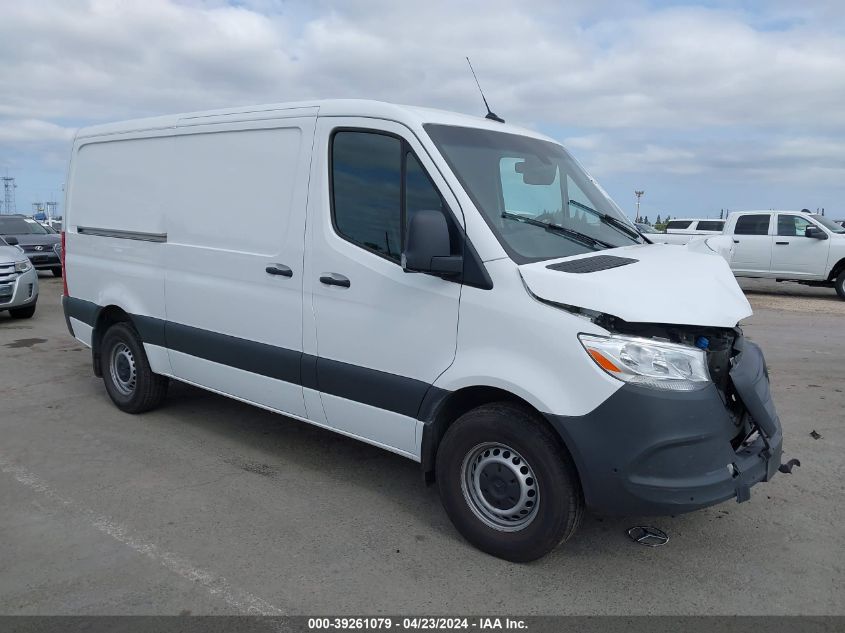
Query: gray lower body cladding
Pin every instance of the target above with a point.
(640, 452)
(649, 452)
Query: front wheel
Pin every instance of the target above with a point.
(57, 271)
(839, 284)
(507, 483)
(129, 380)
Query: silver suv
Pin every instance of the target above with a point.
(18, 281)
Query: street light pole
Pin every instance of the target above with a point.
(639, 195)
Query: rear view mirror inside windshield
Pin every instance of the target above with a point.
(535, 172)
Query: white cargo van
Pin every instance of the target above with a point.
(452, 289)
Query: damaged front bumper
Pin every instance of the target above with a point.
(649, 452)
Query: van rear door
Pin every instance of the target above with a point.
(236, 230)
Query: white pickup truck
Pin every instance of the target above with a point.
(681, 231)
(788, 246)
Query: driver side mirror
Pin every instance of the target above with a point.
(11, 240)
(815, 232)
(427, 246)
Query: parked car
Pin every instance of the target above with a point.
(681, 231)
(55, 226)
(788, 246)
(422, 281)
(18, 281)
(37, 242)
(648, 229)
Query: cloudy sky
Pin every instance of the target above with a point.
(704, 105)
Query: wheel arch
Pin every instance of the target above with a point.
(105, 318)
(440, 409)
(838, 267)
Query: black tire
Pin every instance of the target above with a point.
(560, 504)
(839, 284)
(136, 393)
(57, 271)
(22, 313)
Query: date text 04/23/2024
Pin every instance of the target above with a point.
(417, 623)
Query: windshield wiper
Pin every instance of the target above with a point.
(557, 228)
(607, 219)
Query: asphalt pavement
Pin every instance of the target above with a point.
(210, 506)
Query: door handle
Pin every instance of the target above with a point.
(334, 279)
(782, 243)
(279, 269)
(736, 241)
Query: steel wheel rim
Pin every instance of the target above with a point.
(500, 487)
(122, 368)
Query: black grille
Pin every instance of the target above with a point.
(591, 264)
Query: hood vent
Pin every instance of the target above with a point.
(591, 264)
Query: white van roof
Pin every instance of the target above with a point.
(696, 220)
(412, 116)
(773, 211)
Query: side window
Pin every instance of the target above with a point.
(370, 206)
(367, 190)
(711, 225)
(752, 225)
(792, 225)
(678, 224)
(420, 193)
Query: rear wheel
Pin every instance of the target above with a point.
(507, 484)
(57, 271)
(129, 381)
(22, 313)
(839, 284)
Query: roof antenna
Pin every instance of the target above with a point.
(490, 115)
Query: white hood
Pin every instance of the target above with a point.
(666, 284)
(10, 254)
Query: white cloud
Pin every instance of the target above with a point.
(600, 68)
(32, 131)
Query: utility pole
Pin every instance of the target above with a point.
(639, 195)
(9, 186)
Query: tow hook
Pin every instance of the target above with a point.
(788, 466)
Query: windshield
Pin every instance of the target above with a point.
(830, 225)
(20, 226)
(645, 228)
(539, 202)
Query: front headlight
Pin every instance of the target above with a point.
(648, 362)
(22, 266)
(57, 249)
